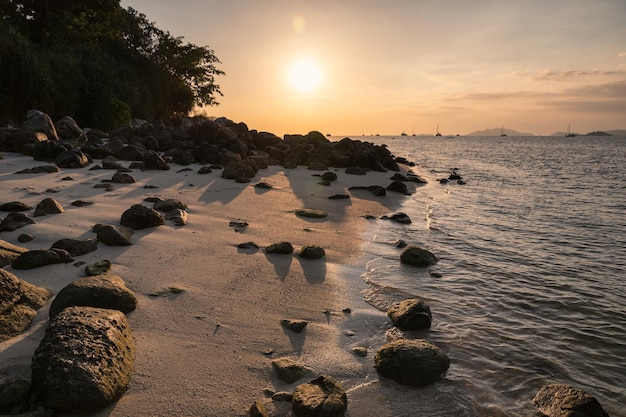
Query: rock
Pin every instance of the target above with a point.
(48, 206)
(84, 361)
(41, 257)
(166, 292)
(38, 121)
(102, 291)
(72, 159)
(322, 397)
(417, 256)
(411, 314)
(76, 247)
(112, 236)
(356, 171)
(360, 351)
(339, 197)
(81, 203)
(153, 161)
(139, 217)
(98, 268)
(286, 396)
(169, 205)
(376, 190)
(400, 243)
(257, 410)
(398, 187)
(398, 217)
(455, 176)
(313, 214)
(14, 393)
(294, 325)
(312, 252)
(249, 246)
(25, 237)
(284, 248)
(329, 176)
(14, 221)
(561, 400)
(411, 362)
(263, 186)
(122, 178)
(398, 177)
(15, 206)
(238, 170)
(177, 216)
(67, 128)
(19, 302)
(288, 370)
(9, 252)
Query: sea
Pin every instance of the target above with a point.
(530, 286)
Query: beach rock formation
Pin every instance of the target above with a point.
(84, 361)
(38, 121)
(72, 158)
(561, 400)
(322, 397)
(416, 256)
(411, 314)
(411, 362)
(41, 257)
(375, 190)
(177, 216)
(288, 370)
(294, 325)
(169, 204)
(14, 393)
(139, 217)
(98, 268)
(76, 247)
(311, 214)
(312, 252)
(19, 302)
(102, 291)
(258, 410)
(48, 206)
(67, 128)
(14, 221)
(399, 217)
(398, 187)
(284, 248)
(113, 236)
(15, 206)
(9, 252)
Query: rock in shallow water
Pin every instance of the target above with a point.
(411, 314)
(322, 397)
(411, 362)
(561, 400)
(417, 256)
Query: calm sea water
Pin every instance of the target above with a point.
(530, 288)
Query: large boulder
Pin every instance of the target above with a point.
(41, 257)
(411, 314)
(9, 252)
(561, 400)
(288, 370)
(76, 247)
(416, 256)
(101, 291)
(14, 221)
(67, 128)
(73, 158)
(48, 206)
(38, 121)
(84, 361)
(113, 236)
(411, 362)
(19, 302)
(139, 217)
(322, 397)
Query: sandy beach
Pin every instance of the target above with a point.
(208, 350)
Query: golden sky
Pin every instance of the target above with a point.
(352, 67)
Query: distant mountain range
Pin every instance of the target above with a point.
(509, 132)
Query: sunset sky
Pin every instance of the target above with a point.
(352, 67)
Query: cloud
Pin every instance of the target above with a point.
(622, 55)
(548, 75)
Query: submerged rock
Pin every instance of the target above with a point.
(411, 314)
(417, 256)
(411, 362)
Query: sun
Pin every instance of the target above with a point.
(304, 75)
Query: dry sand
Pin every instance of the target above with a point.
(208, 350)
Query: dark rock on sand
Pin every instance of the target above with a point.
(411, 314)
(205, 170)
(41, 257)
(9, 252)
(257, 410)
(98, 268)
(398, 217)
(561, 400)
(400, 243)
(356, 171)
(399, 177)
(359, 351)
(73, 158)
(153, 161)
(288, 370)
(15, 206)
(112, 236)
(139, 217)
(25, 237)
(294, 325)
(169, 205)
(322, 397)
(455, 176)
(416, 256)
(84, 361)
(76, 247)
(411, 362)
(263, 186)
(19, 302)
(284, 248)
(14, 221)
(398, 187)
(312, 252)
(329, 176)
(122, 178)
(177, 216)
(310, 213)
(101, 291)
(339, 197)
(250, 246)
(81, 203)
(48, 206)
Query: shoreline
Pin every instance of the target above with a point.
(207, 350)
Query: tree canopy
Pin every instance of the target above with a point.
(98, 62)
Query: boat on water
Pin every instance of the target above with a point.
(403, 134)
(437, 133)
(502, 131)
(569, 133)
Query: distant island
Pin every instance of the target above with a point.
(498, 131)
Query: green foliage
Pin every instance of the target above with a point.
(99, 63)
